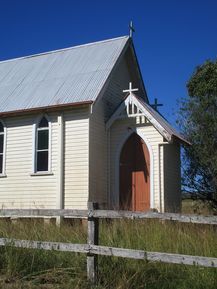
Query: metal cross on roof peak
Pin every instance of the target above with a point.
(131, 29)
(130, 90)
(156, 104)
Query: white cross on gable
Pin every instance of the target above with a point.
(130, 90)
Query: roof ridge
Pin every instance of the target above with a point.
(64, 49)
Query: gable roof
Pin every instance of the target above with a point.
(155, 118)
(68, 76)
(154, 115)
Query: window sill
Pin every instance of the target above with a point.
(42, 174)
(3, 176)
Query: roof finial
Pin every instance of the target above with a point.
(156, 104)
(131, 29)
(130, 89)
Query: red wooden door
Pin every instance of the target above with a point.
(135, 175)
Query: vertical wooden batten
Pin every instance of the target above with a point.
(60, 184)
(109, 202)
(161, 191)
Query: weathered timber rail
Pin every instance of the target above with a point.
(106, 214)
(112, 251)
(92, 249)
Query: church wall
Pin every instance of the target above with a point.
(120, 131)
(19, 189)
(172, 178)
(102, 110)
(76, 168)
(98, 157)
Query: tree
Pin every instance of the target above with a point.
(198, 122)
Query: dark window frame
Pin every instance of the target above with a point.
(42, 151)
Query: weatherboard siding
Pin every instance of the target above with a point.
(19, 189)
(172, 178)
(98, 157)
(102, 110)
(76, 168)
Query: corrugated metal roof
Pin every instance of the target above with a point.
(163, 122)
(71, 75)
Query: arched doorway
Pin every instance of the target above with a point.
(134, 166)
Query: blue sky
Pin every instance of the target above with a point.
(171, 39)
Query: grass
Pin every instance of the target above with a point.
(22, 268)
(196, 207)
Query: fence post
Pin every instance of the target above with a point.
(92, 239)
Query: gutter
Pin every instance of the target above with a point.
(45, 109)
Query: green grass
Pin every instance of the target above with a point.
(22, 268)
(196, 207)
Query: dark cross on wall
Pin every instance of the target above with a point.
(156, 104)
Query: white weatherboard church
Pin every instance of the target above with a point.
(69, 134)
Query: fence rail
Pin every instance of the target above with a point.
(92, 248)
(112, 251)
(106, 214)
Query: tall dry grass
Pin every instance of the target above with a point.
(22, 268)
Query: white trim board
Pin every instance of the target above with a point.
(141, 110)
(3, 174)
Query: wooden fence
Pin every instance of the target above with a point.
(92, 248)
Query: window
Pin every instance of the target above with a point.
(2, 140)
(42, 146)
